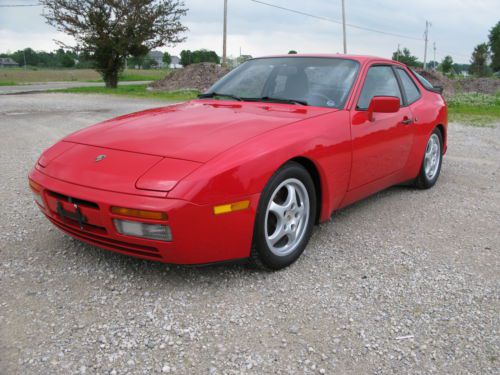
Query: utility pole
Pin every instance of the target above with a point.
(343, 26)
(435, 61)
(397, 53)
(24, 55)
(426, 36)
(224, 43)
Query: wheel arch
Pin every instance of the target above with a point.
(442, 129)
(313, 171)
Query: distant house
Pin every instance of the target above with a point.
(7, 62)
(158, 57)
(175, 62)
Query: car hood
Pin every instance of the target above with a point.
(195, 131)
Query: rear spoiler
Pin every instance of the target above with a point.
(437, 89)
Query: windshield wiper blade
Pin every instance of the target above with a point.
(283, 100)
(214, 94)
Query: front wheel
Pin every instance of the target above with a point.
(285, 218)
(431, 164)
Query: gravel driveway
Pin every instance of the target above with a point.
(405, 282)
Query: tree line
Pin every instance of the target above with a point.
(202, 55)
(57, 59)
(485, 59)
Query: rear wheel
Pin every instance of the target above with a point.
(431, 164)
(285, 218)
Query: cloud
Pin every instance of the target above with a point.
(457, 26)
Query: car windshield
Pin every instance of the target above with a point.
(323, 82)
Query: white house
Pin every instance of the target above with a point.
(175, 62)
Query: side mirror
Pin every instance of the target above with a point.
(383, 104)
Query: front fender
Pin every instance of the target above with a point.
(245, 169)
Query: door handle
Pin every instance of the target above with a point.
(407, 121)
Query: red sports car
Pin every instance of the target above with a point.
(246, 170)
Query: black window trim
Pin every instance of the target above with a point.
(392, 66)
(401, 87)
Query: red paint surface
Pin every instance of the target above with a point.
(186, 158)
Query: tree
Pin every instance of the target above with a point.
(241, 59)
(186, 58)
(67, 61)
(406, 57)
(109, 30)
(432, 64)
(29, 54)
(292, 52)
(494, 38)
(202, 55)
(446, 65)
(167, 59)
(459, 68)
(479, 60)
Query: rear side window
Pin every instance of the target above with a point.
(422, 80)
(409, 87)
(379, 81)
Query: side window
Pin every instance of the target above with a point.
(380, 81)
(409, 87)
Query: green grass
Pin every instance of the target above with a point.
(144, 75)
(7, 83)
(474, 109)
(136, 91)
(30, 75)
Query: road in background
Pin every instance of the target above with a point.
(46, 86)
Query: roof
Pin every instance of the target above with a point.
(360, 58)
(155, 54)
(7, 60)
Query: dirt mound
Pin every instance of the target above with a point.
(439, 79)
(196, 76)
(484, 85)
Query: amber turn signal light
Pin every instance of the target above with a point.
(35, 187)
(140, 214)
(231, 207)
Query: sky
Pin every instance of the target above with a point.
(258, 30)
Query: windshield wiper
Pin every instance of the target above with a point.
(281, 100)
(264, 98)
(214, 94)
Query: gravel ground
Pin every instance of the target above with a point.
(405, 282)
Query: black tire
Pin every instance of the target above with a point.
(261, 255)
(423, 181)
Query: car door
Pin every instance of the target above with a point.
(380, 146)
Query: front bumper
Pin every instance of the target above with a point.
(199, 236)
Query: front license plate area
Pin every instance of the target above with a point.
(74, 216)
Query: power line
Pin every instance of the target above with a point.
(335, 21)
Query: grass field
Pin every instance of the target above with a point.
(136, 91)
(13, 76)
(474, 109)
